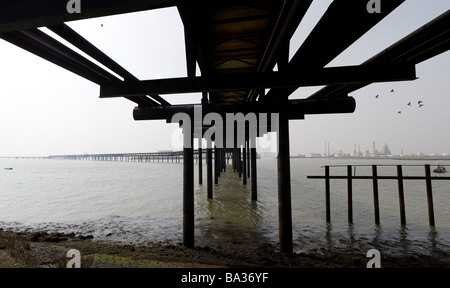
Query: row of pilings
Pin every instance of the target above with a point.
(168, 156)
(244, 162)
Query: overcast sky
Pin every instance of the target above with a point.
(46, 110)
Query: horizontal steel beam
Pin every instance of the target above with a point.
(44, 46)
(426, 42)
(335, 75)
(343, 177)
(296, 109)
(343, 24)
(87, 47)
(25, 14)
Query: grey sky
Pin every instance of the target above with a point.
(46, 110)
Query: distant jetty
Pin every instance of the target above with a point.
(409, 157)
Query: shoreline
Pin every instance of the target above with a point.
(47, 250)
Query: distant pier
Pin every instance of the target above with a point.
(166, 156)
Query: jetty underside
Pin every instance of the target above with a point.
(242, 51)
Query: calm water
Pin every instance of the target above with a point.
(141, 202)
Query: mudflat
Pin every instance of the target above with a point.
(49, 250)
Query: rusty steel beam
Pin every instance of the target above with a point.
(426, 42)
(324, 76)
(288, 20)
(87, 47)
(295, 109)
(44, 46)
(26, 14)
(343, 23)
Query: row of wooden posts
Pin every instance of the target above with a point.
(375, 177)
(243, 161)
(284, 183)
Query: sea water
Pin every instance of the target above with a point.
(141, 202)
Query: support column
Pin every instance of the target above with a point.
(239, 162)
(248, 159)
(216, 165)
(233, 159)
(209, 172)
(188, 192)
(327, 194)
(244, 165)
(284, 187)
(429, 195)
(253, 169)
(223, 160)
(401, 195)
(376, 203)
(349, 194)
(200, 159)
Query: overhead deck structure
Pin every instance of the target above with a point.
(236, 45)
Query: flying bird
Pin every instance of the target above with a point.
(409, 104)
(101, 25)
(420, 105)
(420, 102)
(392, 91)
(399, 112)
(377, 96)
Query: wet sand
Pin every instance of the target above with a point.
(48, 250)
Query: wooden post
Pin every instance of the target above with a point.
(284, 186)
(219, 161)
(188, 193)
(254, 174)
(248, 159)
(239, 162)
(200, 160)
(244, 165)
(375, 194)
(349, 194)
(429, 195)
(327, 193)
(233, 159)
(223, 160)
(216, 165)
(401, 195)
(209, 172)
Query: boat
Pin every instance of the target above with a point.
(440, 169)
(8, 168)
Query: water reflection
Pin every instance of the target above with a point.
(88, 198)
(378, 231)
(432, 239)
(328, 236)
(231, 216)
(403, 241)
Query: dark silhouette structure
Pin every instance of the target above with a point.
(236, 45)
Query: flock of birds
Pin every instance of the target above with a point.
(419, 103)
